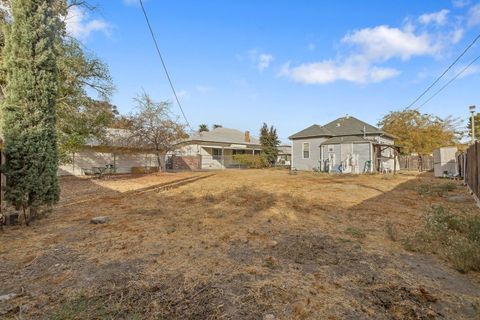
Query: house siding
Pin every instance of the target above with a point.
(364, 151)
(342, 153)
(124, 162)
(297, 154)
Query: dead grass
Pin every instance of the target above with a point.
(237, 245)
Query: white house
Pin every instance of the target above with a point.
(214, 149)
(116, 152)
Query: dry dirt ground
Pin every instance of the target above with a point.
(252, 244)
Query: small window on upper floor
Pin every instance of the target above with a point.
(306, 150)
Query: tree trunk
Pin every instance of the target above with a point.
(26, 216)
(159, 162)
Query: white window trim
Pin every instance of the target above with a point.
(303, 150)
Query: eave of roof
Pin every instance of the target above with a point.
(345, 139)
(314, 130)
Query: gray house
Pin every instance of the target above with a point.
(345, 145)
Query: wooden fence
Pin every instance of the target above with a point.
(469, 168)
(420, 163)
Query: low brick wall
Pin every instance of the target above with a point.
(187, 162)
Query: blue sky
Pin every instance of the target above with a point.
(288, 63)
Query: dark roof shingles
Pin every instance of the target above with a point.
(344, 126)
(312, 131)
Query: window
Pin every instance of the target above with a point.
(306, 150)
(217, 154)
(330, 149)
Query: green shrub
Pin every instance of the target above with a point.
(250, 160)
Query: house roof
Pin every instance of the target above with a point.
(345, 139)
(117, 138)
(223, 135)
(344, 126)
(313, 131)
(350, 126)
(284, 149)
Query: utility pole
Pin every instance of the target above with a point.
(472, 111)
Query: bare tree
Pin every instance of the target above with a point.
(154, 127)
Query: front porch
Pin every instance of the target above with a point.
(214, 157)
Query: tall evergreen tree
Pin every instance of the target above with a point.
(269, 141)
(80, 117)
(29, 106)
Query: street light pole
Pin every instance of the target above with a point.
(472, 111)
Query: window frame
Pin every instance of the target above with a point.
(305, 150)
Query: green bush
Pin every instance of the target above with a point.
(250, 160)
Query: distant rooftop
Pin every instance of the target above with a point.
(225, 135)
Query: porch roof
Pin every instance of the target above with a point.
(345, 140)
(246, 147)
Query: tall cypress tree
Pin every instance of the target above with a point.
(28, 122)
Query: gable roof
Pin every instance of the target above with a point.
(343, 126)
(350, 126)
(312, 131)
(225, 135)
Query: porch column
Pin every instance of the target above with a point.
(223, 157)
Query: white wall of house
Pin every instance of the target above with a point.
(213, 156)
(346, 157)
(122, 161)
(299, 161)
(208, 159)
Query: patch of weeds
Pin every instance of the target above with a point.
(344, 240)
(355, 232)
(476, 307)
(84, 307)
(436, 189)
(209, 197)
(270, 262)
(464, 254)
(408, 244)
(455, 237)
(256, 200)
(298, 203)
(392, 231)
(389, 177)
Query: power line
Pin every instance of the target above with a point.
(444, 72)
(163, 64)
(451, 80)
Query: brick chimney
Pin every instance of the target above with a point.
(247, 136)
